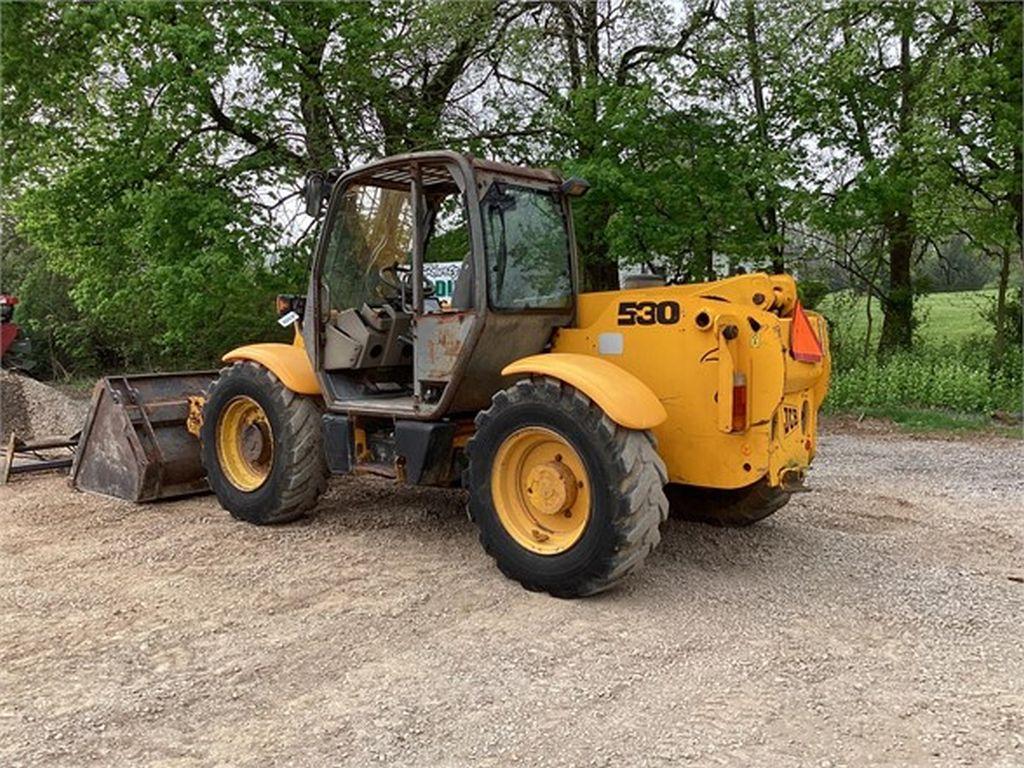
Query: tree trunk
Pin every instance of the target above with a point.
(580, 30)
(600, 275)
(320, 151)
(771, 215)
(592, 56)
(898, 324)
(999, 343)
(709, 253)
(1016, 196)
(870, 326)
(600, 272)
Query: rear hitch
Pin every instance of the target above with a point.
(792, 481)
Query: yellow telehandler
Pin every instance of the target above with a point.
(574, 420)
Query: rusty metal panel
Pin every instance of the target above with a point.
(135, 444)
(439, 342)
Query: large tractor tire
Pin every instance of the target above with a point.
(566, 500)
(732, 508)
(262, 446)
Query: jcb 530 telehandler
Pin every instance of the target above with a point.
(572, 419)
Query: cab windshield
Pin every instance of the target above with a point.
(527, 247)
(372, 229)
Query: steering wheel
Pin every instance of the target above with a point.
(398, 277)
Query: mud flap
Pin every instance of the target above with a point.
(135, 444)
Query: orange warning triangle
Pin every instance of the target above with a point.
(803, 341)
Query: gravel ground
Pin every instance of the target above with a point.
(876, 620)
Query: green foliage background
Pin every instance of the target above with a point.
(153, 152)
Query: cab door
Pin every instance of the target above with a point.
(445, 322)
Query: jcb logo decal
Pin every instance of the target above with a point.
(790, 419)
(649, 312)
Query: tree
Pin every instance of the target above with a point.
(153, 152)
(862, 105)
(593, 75)
(981, 98)
(155, 162)
(745, 69)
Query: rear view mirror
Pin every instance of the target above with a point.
(314, 192)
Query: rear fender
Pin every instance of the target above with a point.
(624, 397)
(289, 362)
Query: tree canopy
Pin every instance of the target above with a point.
(153, 152)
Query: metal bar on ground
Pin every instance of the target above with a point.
(45, 445)
(40, 466)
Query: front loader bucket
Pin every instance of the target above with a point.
(135, 444)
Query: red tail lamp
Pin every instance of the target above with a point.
(739, 402)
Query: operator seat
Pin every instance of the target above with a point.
(370, 337)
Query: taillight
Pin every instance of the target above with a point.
(739, 402)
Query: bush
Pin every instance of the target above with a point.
(155, 275)
(930, 377)
(950, 366)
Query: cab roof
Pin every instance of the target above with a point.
(396, 171)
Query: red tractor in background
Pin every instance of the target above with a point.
(14, 347)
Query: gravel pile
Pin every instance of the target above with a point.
(32, 409)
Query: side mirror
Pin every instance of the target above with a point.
(313, 191)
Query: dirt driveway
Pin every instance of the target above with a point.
(878, 619)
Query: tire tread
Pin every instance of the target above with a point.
(305, 473)
(639, 502)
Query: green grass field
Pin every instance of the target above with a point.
(943, 317)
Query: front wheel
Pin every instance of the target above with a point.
(566, 500)
(262, 446)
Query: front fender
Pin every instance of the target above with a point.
(288, 362)
(620, 394)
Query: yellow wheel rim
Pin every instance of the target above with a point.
(245, 443)
(540, 490)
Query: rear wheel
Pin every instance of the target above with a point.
(567, 501)
(738, 507)
(262, 446)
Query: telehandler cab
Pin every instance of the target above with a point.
(572, 419)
